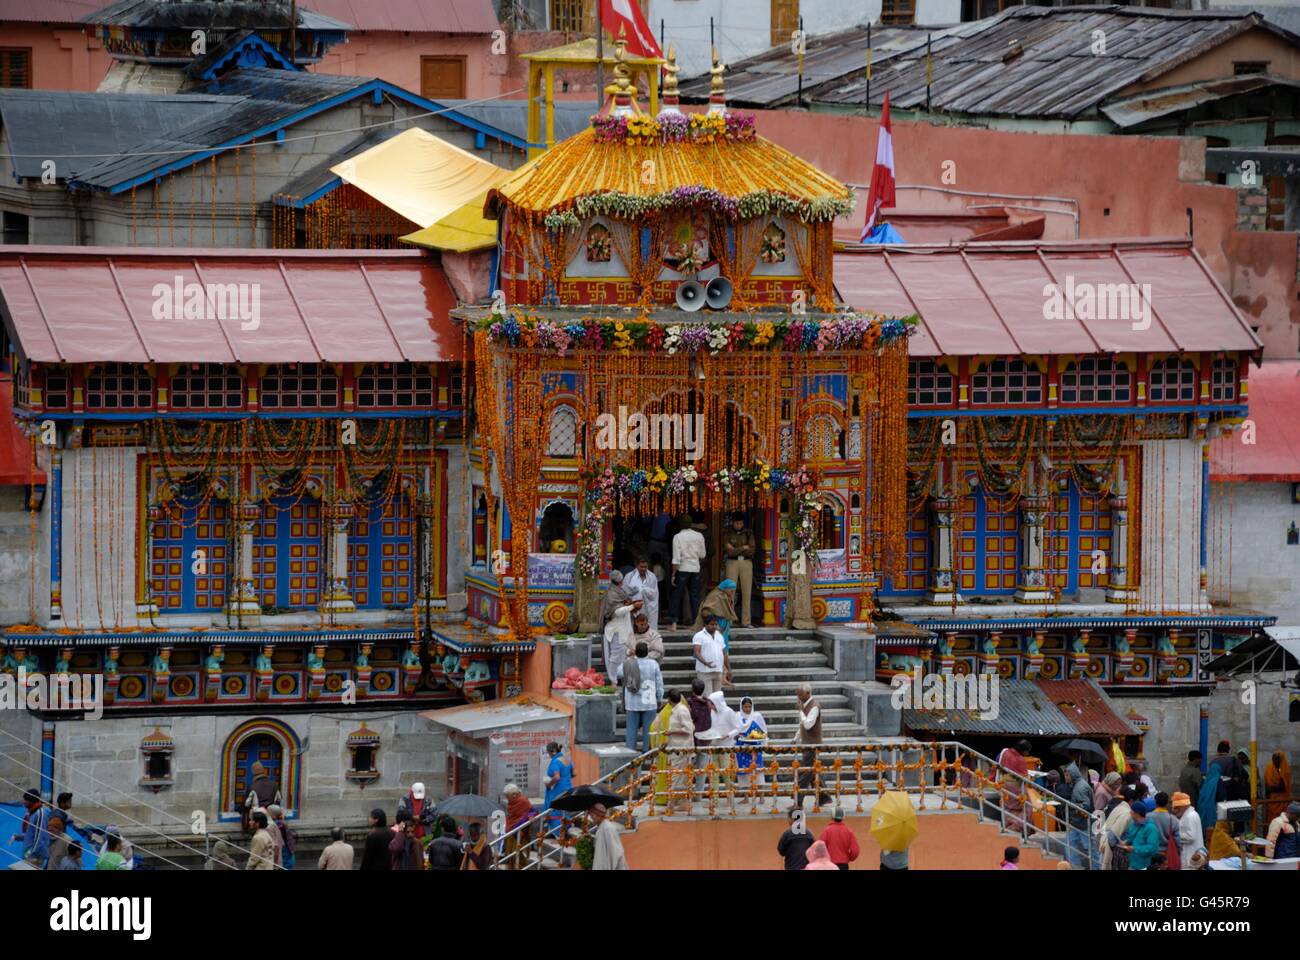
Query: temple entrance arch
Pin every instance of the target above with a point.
(267, 741)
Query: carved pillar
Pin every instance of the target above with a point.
(1123, 659)
(244, 603)
(337, 597)
(111, 676)
(425, 520)
(1033, 654)
(263, 674)
(1166, 654)
(1034, 586)
(316, 672)
(1119, 589)
(1077, 661)
(361, 669)
(212, 672)
(988, 653)
(943, 648)
(162, 674)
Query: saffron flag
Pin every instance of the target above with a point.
(626, 16)
(881, 192)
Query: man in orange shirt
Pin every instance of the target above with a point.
(840, 841)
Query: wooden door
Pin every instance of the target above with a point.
(785, 21)
(442, 78)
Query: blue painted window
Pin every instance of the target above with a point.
(188, 555)
(916, 579)
(988, 545)
(288, 554)
(381, 555)
(1079, 548)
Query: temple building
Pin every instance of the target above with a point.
(284, 501)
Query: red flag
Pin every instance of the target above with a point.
(626, 15)
(881, 193)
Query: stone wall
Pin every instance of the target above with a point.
(1252, 208)
(16, 566)
(1170, 515)
(1250, 562)
(101, 763)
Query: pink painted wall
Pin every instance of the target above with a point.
(63, 58)
(1125, 187)
(395, 57)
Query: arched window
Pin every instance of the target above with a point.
(555, 531)
(928, 384)
(1005, 382)
(599, 244)
(830, 525)
(1223, 379)
(1172, 380)
(1096, 380)
(825, 438)
(562, 441)
(300, 386)
(385, 385)
(119, 386)
(206, 386)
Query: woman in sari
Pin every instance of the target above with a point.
(1222, 846)
(1277, 785)
(721, 603)
(1207, 803)
(559, 778)
(658, 739)
(753, 734)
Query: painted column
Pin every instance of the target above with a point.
(1119, 589)
(47, 761)
(56, 535)
(338, 598)
(244, 600)
(1033, 587)
(1203, 596)
(943, 575)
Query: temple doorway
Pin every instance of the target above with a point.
(260, 748)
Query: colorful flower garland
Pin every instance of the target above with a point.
(674, 128)
(842, 331)
(609, 485)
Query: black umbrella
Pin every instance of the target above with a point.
(1089, 749)
(584, 798)
(467, 805)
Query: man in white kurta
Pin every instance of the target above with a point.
(642, 580)
(609, 847)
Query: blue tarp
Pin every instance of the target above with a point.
(11, 850)
(884, 233)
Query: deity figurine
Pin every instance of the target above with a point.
(110, 661)
(214, 660)
(162, 661)
(64, 663)
(362, 658)
(315, 659)
(262, 662)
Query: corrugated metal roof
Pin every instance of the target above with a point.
(210, 14)
(416, 16)
(86, 304)
(1151, 104)
(976, 69)
(262, 98)
(80, 130)
(1274, 456)
(1086, 705)
(495, 714)
(1023, 709)
(988, 298)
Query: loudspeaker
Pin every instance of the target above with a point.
(718, 293)
(690, 295)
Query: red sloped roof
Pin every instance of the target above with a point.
(1086, 705)
(988, 298)
(1274, 456)
(49, 11)
(15, 449)
(417, 16)
(88, 304)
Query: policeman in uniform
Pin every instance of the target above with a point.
(738, 545)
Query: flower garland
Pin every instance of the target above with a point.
(789, 333)
(758, 203)
(609, 485)
(674, 128)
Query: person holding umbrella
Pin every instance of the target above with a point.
(894, 827)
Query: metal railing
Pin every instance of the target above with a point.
(749, 780)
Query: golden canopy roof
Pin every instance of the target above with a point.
(630, 176)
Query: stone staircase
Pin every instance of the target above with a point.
(766, 664)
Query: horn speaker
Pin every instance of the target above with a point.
(718, 293)
(690, 295)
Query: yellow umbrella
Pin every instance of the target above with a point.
(893, 821)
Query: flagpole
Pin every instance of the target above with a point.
(600, 55)
(867, 105)
(799, 99)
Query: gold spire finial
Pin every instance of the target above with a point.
(670, 73)
(715, 73)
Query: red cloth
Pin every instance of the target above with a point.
(841, 842)
(625, 17)
(880, 194)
